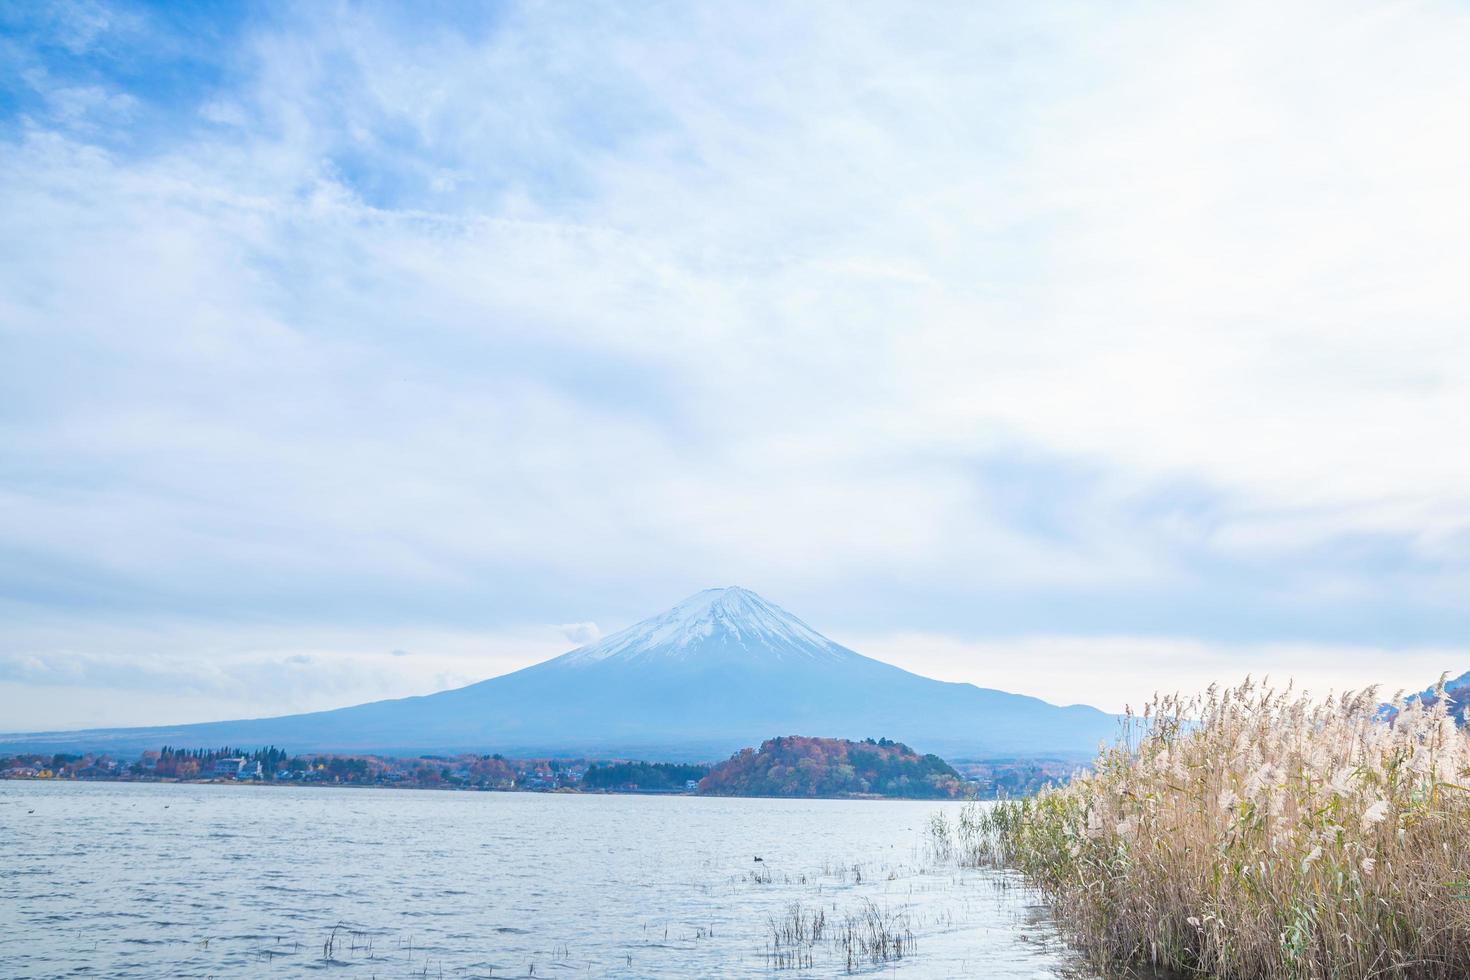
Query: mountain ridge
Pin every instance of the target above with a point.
(718, 671)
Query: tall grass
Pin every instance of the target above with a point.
(1252, 833)
(870, 936)
(874, 935)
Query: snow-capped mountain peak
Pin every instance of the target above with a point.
(721, 670)
(728, 622)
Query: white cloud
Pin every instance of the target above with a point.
(836, 302)
(77, 676)
(1112, 672)
(580, 633)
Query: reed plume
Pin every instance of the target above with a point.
(1254, 833)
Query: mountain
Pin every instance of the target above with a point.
(721, 670)
(1456, 696)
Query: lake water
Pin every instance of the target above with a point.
(154, 880)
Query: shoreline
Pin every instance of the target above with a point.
(561, 791)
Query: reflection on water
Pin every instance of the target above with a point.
(147, 880)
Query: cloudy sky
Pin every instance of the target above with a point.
(350, 351)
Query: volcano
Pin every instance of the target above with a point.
(721, 670)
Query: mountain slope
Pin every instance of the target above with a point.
(721, 670)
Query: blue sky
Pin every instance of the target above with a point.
(350, 351)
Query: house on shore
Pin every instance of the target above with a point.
(235, 769)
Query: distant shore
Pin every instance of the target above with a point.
(787, 767)
(310, 784)
(562, 791)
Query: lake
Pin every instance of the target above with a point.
(179, 880)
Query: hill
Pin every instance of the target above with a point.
(1456, 694)
(798, 766)
(718, 671)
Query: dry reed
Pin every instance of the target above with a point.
(1252, 833)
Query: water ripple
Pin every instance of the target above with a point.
(143, 880)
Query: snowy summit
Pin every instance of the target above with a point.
(714, 624)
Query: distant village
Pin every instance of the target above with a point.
(1010, 778)
(469, 772)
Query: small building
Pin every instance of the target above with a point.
(228, 768)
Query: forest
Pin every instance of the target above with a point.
(802, 766)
